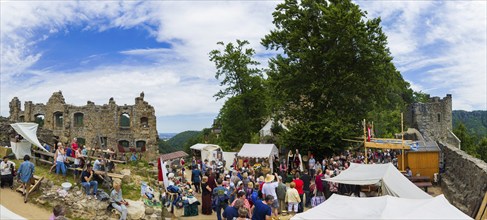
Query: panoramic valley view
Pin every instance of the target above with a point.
(239, 110)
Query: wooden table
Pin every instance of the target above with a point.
(425, 185)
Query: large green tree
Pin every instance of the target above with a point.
(334, 70)
(243, 112)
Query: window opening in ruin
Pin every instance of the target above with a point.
(104, 142)
(21, 118)
(439, 117)
(140, 145)
(144, 122)
(58, 119)
(39, 119)
(124, 144)
(125, 120)
(78, 119)
(81, 141)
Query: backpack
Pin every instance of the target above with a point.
(102, 196)
(173, 189)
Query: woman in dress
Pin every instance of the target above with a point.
(205, 196)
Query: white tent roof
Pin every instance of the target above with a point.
(6, 214)
(207, 147)
(258, 150)
(28, 130)
(384, 207)
(393, 182)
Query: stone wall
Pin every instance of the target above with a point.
(97, 125)
(432, 119)
(464, 181)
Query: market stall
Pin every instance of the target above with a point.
(259, 151)
(29, 132)
(206, 151)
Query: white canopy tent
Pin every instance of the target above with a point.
(6, 214)
(383, 207)
(28, 131)
(208, 151)
(267, 151)
(392, 181)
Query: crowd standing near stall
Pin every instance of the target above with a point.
(258, 187)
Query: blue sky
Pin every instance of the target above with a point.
(94, 51)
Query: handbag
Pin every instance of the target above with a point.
(13, 170)
(317, 200)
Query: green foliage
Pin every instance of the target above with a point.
(467, 141)
(336, 70)
(234, 65)
(420, 97)
(474, 121)
(245, 108)
(177, 142)
(482, 149)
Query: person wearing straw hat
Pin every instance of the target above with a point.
(269, 188)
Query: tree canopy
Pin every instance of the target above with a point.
(245, 109)
(335, 69)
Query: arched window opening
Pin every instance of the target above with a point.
(439, 117)
(78, 119)
(81, 141)
(140, 145)
(144, 122)
(39, 119)
(58, 119)
(125, 120)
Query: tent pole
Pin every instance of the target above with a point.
(402, 141)
(365, 139)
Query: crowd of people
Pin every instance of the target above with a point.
(250, 192)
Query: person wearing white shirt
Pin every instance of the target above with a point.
(6, 168)
(269, 188)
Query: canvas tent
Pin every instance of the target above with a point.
(208, 151)
(267, 151)
(6, 214)
(29, 132)
(383, 207)
(392, 181)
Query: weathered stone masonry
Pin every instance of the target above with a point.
(464, 181)
(108, 125)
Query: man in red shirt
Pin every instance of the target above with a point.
(299, 186)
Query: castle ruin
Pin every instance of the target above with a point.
(123, 128)
(433, 119)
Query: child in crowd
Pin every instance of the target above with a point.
(292, 198)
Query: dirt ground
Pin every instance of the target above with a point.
(15, 202)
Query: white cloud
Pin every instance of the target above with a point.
(181, 79)
(441, 47)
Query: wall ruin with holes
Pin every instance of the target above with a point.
(133, 126)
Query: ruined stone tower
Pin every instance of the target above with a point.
(433, 119)
(123, 128)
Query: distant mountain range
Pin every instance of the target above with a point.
(177, 141)
(474, 121)
(166, 136)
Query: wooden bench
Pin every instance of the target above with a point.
(112, 175)
(37, 182)
(424, 185)
(419, 178)
(115, 161)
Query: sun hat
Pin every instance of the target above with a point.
(269, 178)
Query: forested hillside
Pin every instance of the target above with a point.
(474, 121)
(177, 142)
